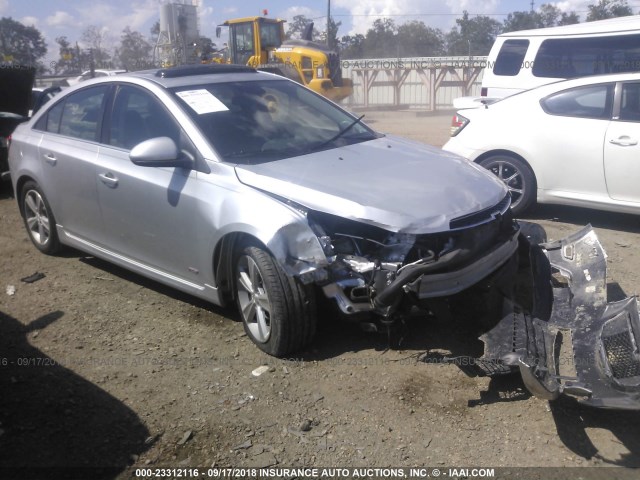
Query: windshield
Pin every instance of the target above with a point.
(260, 121)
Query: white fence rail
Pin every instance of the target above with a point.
(423, 83)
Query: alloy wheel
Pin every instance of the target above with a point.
(37, 218)
(253, 299)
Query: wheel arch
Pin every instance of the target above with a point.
(509, 153)
(223, 256)
(294, 246)
(18, 192)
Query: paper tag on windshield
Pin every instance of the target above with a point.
(202, 101)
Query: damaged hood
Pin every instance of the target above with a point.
(15, 96)
(392, 183)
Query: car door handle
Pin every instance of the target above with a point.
(108, 179)
(50, 158)
(624, 141)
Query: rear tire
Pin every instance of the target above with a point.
(278, 311)
(517, 176)
(38, 219)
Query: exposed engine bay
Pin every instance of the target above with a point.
(544, 305)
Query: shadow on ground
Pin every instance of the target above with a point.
(621, 222)
(53, 423)
(572, 421)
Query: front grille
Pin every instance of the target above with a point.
(620, 352)
(482, 216)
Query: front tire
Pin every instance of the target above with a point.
(517, 176)
(278, 311)
(38, 219)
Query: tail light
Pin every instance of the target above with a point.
(484, 91)
(458, 122)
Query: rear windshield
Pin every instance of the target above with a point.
(580, 57)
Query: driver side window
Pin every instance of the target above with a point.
(138, 116)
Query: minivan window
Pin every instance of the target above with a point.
(510, 57)
(592, 101)
(580, 57)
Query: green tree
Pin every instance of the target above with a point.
(134, 52)
(155, 32)
(473, 36)
(523, 21)
(297, 26)
(547, 16)
(21, 44)
(380, 40)
(95, 39)
(568, 18)
(352, 46)
(417, 40)
(333, 34)
(67, 61)
(608, 9)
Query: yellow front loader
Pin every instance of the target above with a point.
(260, 43)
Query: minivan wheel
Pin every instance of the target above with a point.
(517, 176)
(39, 219)
(278, 312)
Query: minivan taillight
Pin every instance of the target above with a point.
(458, 122)
(484, 91)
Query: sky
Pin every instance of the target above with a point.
(71, 17)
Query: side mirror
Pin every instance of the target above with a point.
(160, 152)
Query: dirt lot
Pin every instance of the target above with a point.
(103, 368)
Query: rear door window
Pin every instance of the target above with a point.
(592, 101)
(82, 114)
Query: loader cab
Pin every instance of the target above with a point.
(252, 38)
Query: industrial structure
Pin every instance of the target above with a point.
(179, 33)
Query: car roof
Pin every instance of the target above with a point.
(551, 88)
(105, 71)
(592, 80)
(628, 24)
(189, 75)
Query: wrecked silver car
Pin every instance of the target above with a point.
(243, 187)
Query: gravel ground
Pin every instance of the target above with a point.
(104, 368)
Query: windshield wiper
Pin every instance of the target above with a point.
(340, 133)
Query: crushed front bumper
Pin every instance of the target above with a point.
(574, 341)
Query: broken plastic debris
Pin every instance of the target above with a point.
(260, 370)
(186, 437)
(33, 278)
(11, 290)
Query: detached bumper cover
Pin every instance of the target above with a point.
(575, 342)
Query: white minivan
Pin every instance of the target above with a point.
(529, 58)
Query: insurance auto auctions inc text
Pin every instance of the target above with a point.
(323, 473)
